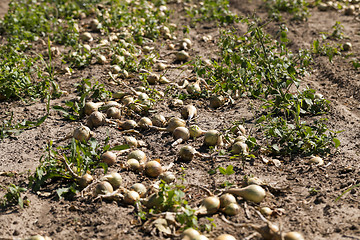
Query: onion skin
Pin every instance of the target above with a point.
(226, 199)
(139, 188)
(114, 179)
(196, 131)
(167, 177)
(153, 169)
(253, 193)
(95, 119)
(240, 148)
(225, 237)
(212, 138)
(232, 209)
(174, 123)
(113, 112)
(91, 107)
(188, 112)
(82, 134)
(131, 197)
(212, 204)
(191, 233)
(109, 158)
(129, 124)
(138, 155)
(133, 164)
(103, 188)
(216, 101)
(85, 180)
(145, 122)
(187, 153)
(158, 120)
(293, 236)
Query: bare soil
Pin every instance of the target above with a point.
(305, 193)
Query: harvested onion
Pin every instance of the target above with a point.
(138, 155)
(232, 209)
(225, 237)
(226, 199)
(139, 188)
(114, 179)
(188, 112)
(153, 169)
(103, 188)
(196, 131)
(212, 138)
(82, 133)
(180, 134)
(209, 205)
(293, 236)
(131, 197)
(252, 193)
(109, 158)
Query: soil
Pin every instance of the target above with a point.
(304, 195)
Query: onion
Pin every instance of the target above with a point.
(318, 161)
(180, 134)
(266, 211)
(109, 158)
(82, 133)
(133, 164)
(96, 119)
(36, 237)
(113, 112)
(185, 44)
(216, 101)
(293, 236)
(91, 107)
(201, 237)
(254, 181)
(193, 88)
(138, 155)
(347, 46)
(239, 130)
(210, 205)
(232, 209)
(127, 100)
(252, 193)
(101, 59)
(128, 124)
(188, 112)
(225, 237)
(226, 199)
(158, 120)
(240, 147)
(186, 153)
(212, 138)
(131, 141)
(190, 233)
(153, 169)
(110, 104)
(145, 122)
(164, 80)
(182, 56)
(196, 131)
(153, 78)
(131, 197)
(139, 188)
(115, 69)
(174, 123)
(85, 180)
(240, 139)
(176, 102)
(103, 188)
(86, 36)
(114, 179)
(167, 177)
(142, 97)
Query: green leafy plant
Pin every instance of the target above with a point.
(296, 8)
(13, 196)
(54, 165)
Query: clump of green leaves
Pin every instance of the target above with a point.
(13, 196)
(296, 8)
(210, 10)
(81, 157)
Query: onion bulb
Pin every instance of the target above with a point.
(182, 56)
(174, 123)
(266, 211)
(128, 124)
(225, 237)
(145, 122)
(82, 133)
(253, 193)
(180, 134)
(240, 139)
(85, 180)
(193, 88)
(201, 237)
(158, 120)
(167, 177)
(186, 153)
(139, 188)
(226, 199)
(138, 155)
(91, 107)
(216, 101)
(109, 158)
(131, 197)
(127, 100)
(240, 148)
(232, 209)
(103, 188)
(131, 141)
(293, 236)
(133, 164)
(153, 169)
(113, 112)
(196, 131)
(153, 78)
(212, 138)
(190, 233)
(96, 119)
(114, 179)
(210, 205)
(188, 112)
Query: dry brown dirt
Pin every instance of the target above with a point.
(316, 214)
